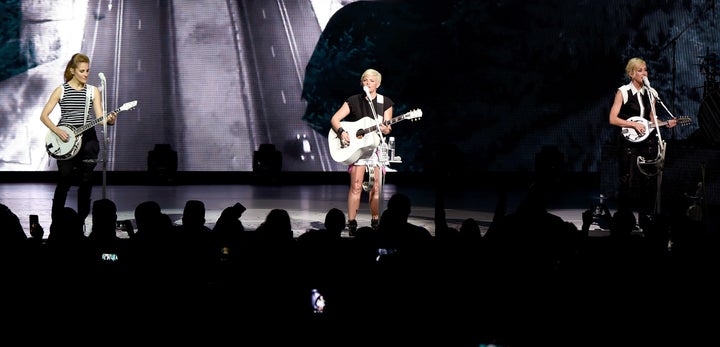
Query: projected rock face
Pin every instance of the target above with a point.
(50, 29)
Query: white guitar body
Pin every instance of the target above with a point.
(64, 150)
(59, 149)
(364, 138)
(360, 146)
(631, 135)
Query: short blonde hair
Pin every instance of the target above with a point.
(371, 72)
(633, 65)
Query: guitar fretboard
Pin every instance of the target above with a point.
(415, 114)
(96, 121)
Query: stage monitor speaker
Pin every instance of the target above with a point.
(162, 163)
(267, 163)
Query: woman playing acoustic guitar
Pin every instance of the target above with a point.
(355, 108)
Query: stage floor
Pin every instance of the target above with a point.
(306, 204)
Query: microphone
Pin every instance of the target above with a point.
(650, 89)
(102, 79)
(646, 82)
(367, 92)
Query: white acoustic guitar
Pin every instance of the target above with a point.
(62, 150)
(631, 135)
(363, 137)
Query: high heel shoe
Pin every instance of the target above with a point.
(374, 223)
(352, 227)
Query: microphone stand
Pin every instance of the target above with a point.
(663, 105)
(106, 139)
(659, 160)
(382, 156)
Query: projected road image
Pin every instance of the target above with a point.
(214, 83)
(217, 80)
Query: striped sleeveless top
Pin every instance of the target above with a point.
(72, 105)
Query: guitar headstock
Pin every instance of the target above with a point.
(128, 105)
(683, 120)
(414, 114)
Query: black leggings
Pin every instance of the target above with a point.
(636, 190)
(78, 169)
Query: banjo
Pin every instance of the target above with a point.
(63, 150)
(633, 136)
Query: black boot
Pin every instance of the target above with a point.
(374, 223)
(352, 227)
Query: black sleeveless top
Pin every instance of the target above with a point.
(636, 103)
(359, 107)
(632, 106)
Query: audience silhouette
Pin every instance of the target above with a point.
(18, 256)
(496, 286)
(103, 233)
(110, 251)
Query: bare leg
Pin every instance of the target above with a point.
(375, 195)
(357, 173)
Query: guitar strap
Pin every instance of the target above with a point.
(380, 100)
(370, 169)
(87, 102)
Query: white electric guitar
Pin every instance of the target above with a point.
(631, 135)
(361, 145)
(63, 150)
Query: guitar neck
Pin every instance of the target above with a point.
(93, 123)
(652, 125)
(386, 122)
(394, 120)
(680, 121)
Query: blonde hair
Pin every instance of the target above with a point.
(371, 72)
(633, 65)
(76, 59)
